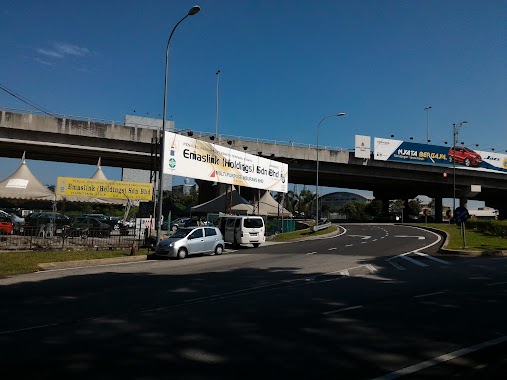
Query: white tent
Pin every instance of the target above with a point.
(22, 184)
(267, 205)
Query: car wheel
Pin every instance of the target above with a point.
(174, 228)
(218, 250)
(182, 253)
(467, 162)
(116, 227)
(255, 245)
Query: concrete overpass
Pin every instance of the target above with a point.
(83, 141)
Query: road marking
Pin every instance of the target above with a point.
(397, 266)
(349, 245)
(344, 272)
(344, 309)
(332, 249)
(311, 253)
(364, 237)
(441, 359)
(432, 258)
(429, 294)
(374, 239)
(497, 283)
(413, 261)
(407, 236)
(371, 268)
(364, 242)
(28, 328)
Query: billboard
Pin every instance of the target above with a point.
(83, 187)
(188, 157)
(362, 146)
(461, 156)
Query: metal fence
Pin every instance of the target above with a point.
(35, 238)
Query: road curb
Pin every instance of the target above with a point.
(91, 262)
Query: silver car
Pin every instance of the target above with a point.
(191, 241)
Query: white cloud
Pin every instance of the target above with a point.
(44, 62)
(49, 53)
(69, 49)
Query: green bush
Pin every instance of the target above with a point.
(491, 227)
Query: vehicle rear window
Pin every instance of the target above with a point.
(253, 223)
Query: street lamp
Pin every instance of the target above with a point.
(427, 109)
(158, 215)
(317, 183)
(456, 128)
(216, 113)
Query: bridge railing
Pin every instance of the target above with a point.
(220, 137)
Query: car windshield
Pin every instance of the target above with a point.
(181, 233)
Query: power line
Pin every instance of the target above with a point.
(26, 101)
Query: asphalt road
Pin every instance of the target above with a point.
(377, 301)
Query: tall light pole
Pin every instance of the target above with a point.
(317, 183)
(158, 220)
(455, 128)
(427, 109)
(216, 113)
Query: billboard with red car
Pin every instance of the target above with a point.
(461, 156)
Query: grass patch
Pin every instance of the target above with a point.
(12, 263)
(476, 241)
(301, 234)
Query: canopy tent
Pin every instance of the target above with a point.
(22, 184)
(219, 203)
(268, 206)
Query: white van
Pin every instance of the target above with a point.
(242, 229)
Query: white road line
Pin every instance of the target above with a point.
(364, 242)
(497, 283)
(432, 258)
(371, 268)
(374, 239)
(344, 272)
(344, 309)
(441, 359)
(332, 249)
(349, 245)
(397, 266)
(414, 261)
(311, 253)
(28, 328)
(429, 294)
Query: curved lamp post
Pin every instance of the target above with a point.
(317, 184)
(191, 12)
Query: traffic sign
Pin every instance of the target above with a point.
(461, 214)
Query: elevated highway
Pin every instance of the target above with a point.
(83, 141)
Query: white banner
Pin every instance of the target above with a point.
(188, 157)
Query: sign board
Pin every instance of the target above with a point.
(188, 157)
(83, 187)
(461, 214)
(462, 157)
(363, 146)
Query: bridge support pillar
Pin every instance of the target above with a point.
(439, 208)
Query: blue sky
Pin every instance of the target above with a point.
(284, 65)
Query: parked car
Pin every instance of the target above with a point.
(190, 241)
(85, 226)
(114, 222)
(37, 223)
(177, 223)
(465, 156)
(6, 225)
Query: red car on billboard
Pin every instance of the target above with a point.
(465, 156)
